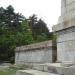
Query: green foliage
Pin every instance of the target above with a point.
(42, 37)
(8, 72)
(7, 46)
(24, 36)
(12, 34)
(10, 39)
(40, 31)
(16, 30)
(10, 9)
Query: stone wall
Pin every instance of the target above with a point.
(66, 45)
(43, 52)
(65, 31)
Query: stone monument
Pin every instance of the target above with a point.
(65, 31)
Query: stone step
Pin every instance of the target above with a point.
(49, 67)
(33, 72)
(58, 68)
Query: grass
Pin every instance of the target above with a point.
(8, 72)
(12, 70)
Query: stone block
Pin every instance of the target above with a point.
(33, 72)
(50, 67)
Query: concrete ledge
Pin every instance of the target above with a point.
(63, 25)
(57, 68)
(49, 67)
(33, 72)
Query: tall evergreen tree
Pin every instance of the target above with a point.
(38, 27)
(41, 27)
(32, 23)
(14, 31)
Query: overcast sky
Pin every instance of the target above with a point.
(48, 10)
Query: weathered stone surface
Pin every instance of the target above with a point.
(68, 71)
(66, 46)
(67, 15)
(33, 72)
(35, 46)
(39, 53)
(49, 67)
(37, 56)
(66, 68)
(65, 31)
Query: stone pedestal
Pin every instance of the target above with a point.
(65, 31)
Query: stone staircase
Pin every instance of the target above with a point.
(49, 69)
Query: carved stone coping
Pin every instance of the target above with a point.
(36, 46)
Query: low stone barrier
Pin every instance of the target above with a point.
(38, 53)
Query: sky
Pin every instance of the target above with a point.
(48, 10)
